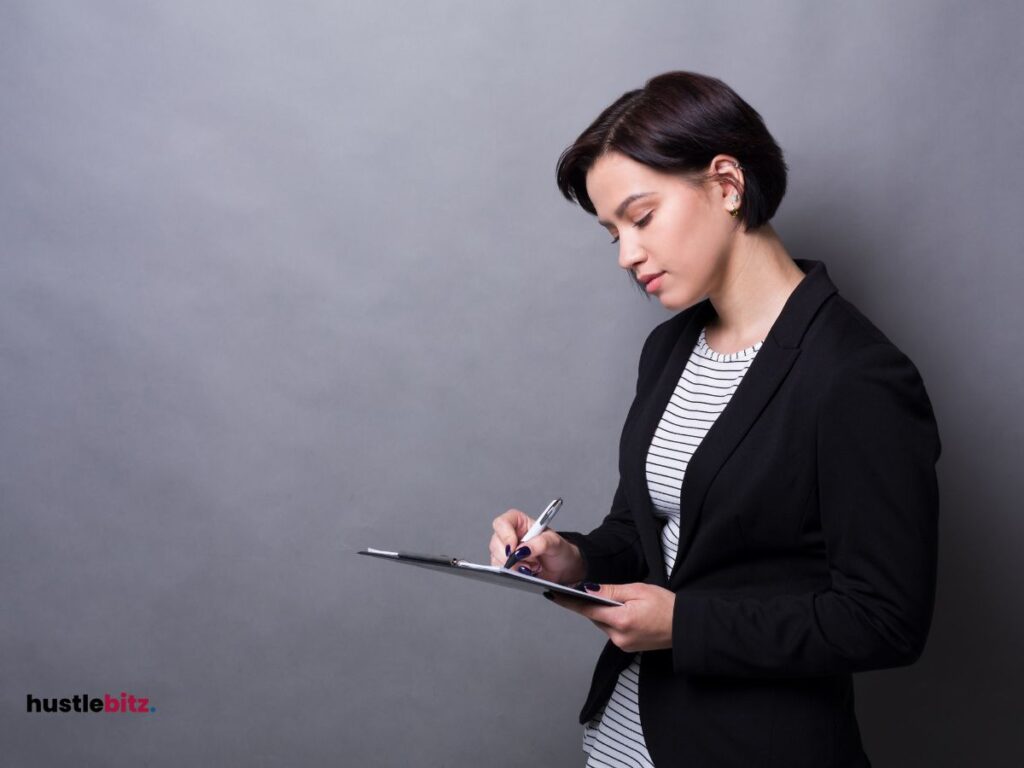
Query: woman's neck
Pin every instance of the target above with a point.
(758, 278)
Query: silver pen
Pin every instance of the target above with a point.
(537, 528)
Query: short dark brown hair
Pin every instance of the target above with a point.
(677, 123)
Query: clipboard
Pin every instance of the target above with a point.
(490, 574)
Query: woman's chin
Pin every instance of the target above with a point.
(677, 303)
(672, 303)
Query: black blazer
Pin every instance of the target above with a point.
(807, 543)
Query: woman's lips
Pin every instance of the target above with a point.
(653, 284)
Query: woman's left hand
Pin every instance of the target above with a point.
(643, 623)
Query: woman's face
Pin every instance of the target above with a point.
(665, 228)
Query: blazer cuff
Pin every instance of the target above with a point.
(689, 638)
(621, 565)
(586, 552)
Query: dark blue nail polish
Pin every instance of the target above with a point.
(525, 569)
(522, 552)
(508, 550)
(591, 586)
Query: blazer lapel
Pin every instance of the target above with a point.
(771, 365)
(641, 434)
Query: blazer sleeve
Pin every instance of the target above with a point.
(877, 446)
(612, 552)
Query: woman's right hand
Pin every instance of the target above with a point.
(548, 555)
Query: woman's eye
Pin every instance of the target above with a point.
(639, 225)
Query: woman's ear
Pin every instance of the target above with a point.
(728, 174)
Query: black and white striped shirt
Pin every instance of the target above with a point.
(614, 736)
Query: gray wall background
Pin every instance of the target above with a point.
(279, 281)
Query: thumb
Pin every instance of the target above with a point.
(618, 592)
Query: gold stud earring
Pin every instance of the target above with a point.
(735, 199)
(735, 210)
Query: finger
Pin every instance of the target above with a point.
(526, 569)
(532, 551)
(608, 615)
(498, 549)
(511, 526)
(620, 593)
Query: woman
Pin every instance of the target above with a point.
(774, 528)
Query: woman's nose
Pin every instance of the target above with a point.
(630, 254)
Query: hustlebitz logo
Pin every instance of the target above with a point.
(126, 703)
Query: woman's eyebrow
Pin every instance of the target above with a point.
(625, 204)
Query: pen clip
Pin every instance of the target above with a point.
(549, 512)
